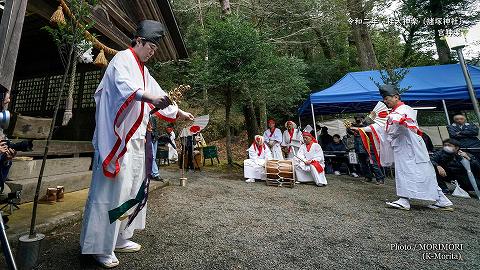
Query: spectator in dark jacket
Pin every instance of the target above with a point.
(324, 139)
(368, 169)
(6, 153)
(448, 166)
(465, 133)
(428, 142)
(336, 146)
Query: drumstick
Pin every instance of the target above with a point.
(299, 158)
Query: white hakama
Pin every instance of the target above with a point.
(274, 138)
(172, 151)
(309, 173)
(414, 173)
(292, 142)
(254, 166)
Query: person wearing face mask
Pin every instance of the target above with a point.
(448, 166)
(465, 133)
(125, 98)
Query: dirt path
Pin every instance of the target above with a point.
(217, 222)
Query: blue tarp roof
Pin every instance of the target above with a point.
(356, 92)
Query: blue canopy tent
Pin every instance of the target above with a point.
(356, 92)
(431, 86)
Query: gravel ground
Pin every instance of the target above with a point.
(220, 222)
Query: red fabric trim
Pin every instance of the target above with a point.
(117, 144)
(141, 65)
(130, 133)
(307, 134)
(309, 146)
(161, 116)
(398, 105)
(291, 136)
(317, 166)
(259, 150)
(377, 155)
(365, 140)
(413, 128)
(271, 132)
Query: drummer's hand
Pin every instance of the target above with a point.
(308, 162)
(372, 115)
(182, 115)
(353, 128)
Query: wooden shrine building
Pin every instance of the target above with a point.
(36, 74)
(30, 66)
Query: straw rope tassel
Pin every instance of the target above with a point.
(58, 17)
(100, 60)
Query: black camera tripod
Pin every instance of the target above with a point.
(11, 201)
(7, 251)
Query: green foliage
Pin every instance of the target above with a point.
(72, 32)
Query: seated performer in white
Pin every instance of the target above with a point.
(292, 139)
(273, 139)
(309, 162)
(254, 166)
(172, 149)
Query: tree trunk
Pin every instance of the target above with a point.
(250, 120)
(225, 5)
(67, 114)
(361, 36)
(326, 48)
(228, 106)
(262, 108)
(443, 50)
(408, 48)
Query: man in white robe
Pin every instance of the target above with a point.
(172, 149)
(254, 166)
(126, 95)
(414, 173)
(273, 139)
(310, 162)
(292, 139)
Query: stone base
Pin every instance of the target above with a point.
(71, 182)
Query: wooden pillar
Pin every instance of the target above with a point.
(10, 33)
